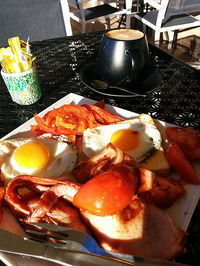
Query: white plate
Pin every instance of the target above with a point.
(181, 211)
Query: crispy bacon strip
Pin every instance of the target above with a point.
(71, 119)
(68, 119)
(67, 190)
(102, 116)
(65, 214)
(48, 197)
(62, 213)
(101, 162)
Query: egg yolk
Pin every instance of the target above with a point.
(125, 139)
(32, 155)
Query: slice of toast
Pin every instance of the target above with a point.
(157, 161)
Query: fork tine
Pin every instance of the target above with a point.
(73, 241)
(64, 240)
(70, 234)
(39, 233)
(61, 233)
(52, 227)
(47, 243)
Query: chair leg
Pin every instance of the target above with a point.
(157, 36)
(121, 21)
(107, 23)
(174, 42)
(82, 27)
(170, 36)
(128, 21)
(165, 36)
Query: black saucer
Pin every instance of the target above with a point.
(148, 82)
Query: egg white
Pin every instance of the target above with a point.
(95, 140)
(63, 158)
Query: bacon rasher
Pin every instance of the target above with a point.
(54, 189)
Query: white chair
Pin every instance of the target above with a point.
(104, 10)
(168, 16)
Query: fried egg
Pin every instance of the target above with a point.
(40, 156)
(134, 137)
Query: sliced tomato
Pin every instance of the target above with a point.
(107, 193)
(102, 116)
(181, 164)
(188, 140)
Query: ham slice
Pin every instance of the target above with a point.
(139, 229)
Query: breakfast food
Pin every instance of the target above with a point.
(40, 156)
(181, 135)
(140, 229)
(137, 139)
(131, 229)
(117, 192)
(119, 182)
(72, 119)
(157, 161)
(181, 163)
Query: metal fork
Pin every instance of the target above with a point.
(13, 244)
(76, 240)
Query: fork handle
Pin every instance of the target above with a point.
(140, 261)
(78, 258)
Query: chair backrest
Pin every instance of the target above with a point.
(161, 7)
(89, 13)
(169, 16)
(169, 8)
(177, 7)
(37, 19)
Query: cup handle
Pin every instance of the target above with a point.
(134, 58)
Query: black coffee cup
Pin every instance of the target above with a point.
(123, 56)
